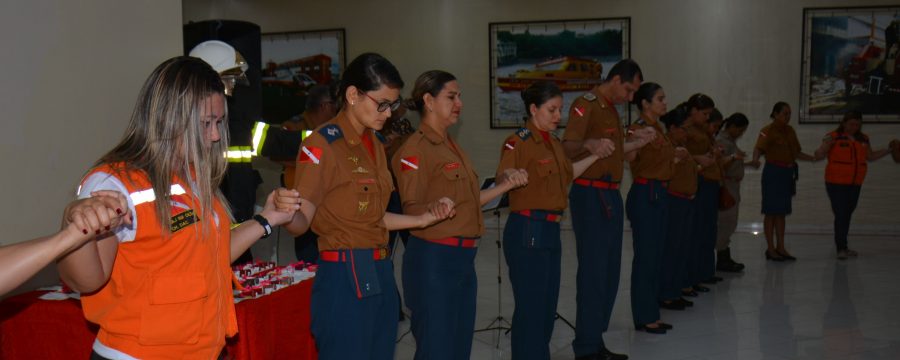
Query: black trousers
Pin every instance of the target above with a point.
(843, 202)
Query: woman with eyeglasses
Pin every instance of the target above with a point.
(343, 185)
(439, 281)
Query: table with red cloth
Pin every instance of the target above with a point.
(269, 327)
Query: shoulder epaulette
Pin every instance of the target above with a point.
(331, 133)
(524, 133)
(590, 97)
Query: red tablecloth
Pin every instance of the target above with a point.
(273, 326)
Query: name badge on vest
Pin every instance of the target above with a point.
(182, 220)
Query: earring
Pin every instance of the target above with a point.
(352, 103)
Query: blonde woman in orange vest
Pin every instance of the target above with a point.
(848, 151)
(160, 287)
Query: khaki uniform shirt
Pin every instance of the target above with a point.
(428, 167)
(549, 170)
(592, 117)
(349, 189)
(700, 142)
(778, 143)
(655, 160)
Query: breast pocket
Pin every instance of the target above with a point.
(175, 313)
(453, 171)
(367, 194)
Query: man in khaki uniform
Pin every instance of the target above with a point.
(597, 211)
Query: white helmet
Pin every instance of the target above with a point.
(225, 60)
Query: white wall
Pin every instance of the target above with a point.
(70, 74)
(744, 53)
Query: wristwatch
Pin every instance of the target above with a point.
(265, 224)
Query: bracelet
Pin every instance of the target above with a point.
(265, 224)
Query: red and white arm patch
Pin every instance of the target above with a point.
(310, 155)
(409, 163)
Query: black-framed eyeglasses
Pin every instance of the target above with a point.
(384, 105)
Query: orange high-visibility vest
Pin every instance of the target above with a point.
(169, 295)
(847, 162)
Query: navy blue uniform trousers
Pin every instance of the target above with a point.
(677, 253)
(706, 219)
(597, 218)
(439, 286)
(647, 208)
(532, 250)
(346, 326)
(843, 202)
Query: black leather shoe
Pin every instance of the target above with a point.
(785, 255)
(650, 330)
(690, 293)
(701, 288)
(729, 267)
(773, 256)
(664, 326)
(609, 355)
(671, 305)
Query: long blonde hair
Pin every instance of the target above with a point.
(165, 138)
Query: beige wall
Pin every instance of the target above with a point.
(70, 73)
(744, 53)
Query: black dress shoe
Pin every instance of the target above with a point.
(650, 330)
(664, 326)
(785, 255)
(773, 256)
(729, 267)
(671, 305)
(690, 293)
(685, 302)
(609, 355)
(701, 288)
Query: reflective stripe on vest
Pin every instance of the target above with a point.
(145, 196)
(259, 136)
(239, 154)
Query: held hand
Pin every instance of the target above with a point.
(647, 134)
(100, 213)
(437, 212)
(286, 200)
(442, 209)
(739, 156)
(681, 153)
(755, 164)
(515, 178)
(603, 148)
(717, 150)
(278, 209)
(705, 160)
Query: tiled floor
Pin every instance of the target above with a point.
(815, 308)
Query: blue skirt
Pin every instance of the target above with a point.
(777, 189)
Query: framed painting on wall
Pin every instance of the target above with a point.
(295, 61)
(575, 54)
(850, 63)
